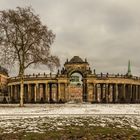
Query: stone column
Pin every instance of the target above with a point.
(15, 93)
(101, 86)
(11, 94)
(124, 93)
(128, 94)
(59, 92)
(25, 93)
(47, 92)
(50, 86)
(99, 93)
(65, 92)
(41, 91)
(86, 92)
(131, 93)
(29, 92)
(113, 93)
(132, 99)
(62, 91)
(19, 93)
(106, 93)
(52, 92)
(138, 93)
(95, 92)
(136, 101)
(119, 93)
(44, 92)
(116, 93)
(35, 92)
(134, 93)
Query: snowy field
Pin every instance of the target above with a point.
(13, 110)
(42, 117)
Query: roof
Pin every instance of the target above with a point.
(76, 59)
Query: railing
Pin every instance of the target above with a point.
(116, 76)
(35, 76)
(98, 76)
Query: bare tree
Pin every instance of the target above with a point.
(24, 40)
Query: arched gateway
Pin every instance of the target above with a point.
(76, 82)
(76, 70)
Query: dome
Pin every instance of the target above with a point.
(76, 59)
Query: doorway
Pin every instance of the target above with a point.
(76, 88)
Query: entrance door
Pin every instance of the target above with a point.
(76, 88)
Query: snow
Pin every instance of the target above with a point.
(42, 117)
(69, 109)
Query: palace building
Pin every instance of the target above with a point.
(3, 83)
(76, 82)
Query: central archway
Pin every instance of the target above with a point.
(76, 87)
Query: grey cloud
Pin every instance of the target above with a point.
(106, 32)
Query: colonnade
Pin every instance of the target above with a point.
(57, 92)
(115, 93)
(39, 92)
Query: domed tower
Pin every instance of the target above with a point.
(77, 70)
(76, 64)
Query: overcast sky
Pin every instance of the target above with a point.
(106, 32)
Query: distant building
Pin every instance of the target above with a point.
(3, 84)
(77, 82)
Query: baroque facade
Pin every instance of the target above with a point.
(76, 82)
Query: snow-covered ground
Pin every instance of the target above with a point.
(68, 109)
(42, 117)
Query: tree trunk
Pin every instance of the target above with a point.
(22, 89)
